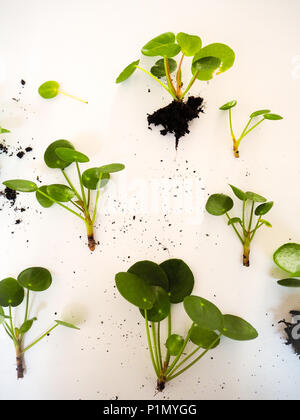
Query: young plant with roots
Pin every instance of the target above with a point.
(154, 289)
(59, 155)
(12, 294)
(206, 62)
(246, 226)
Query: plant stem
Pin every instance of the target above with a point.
(173, 364)
(167, 360)
(150, 344)
(189, 85)
(76, 205)
(252, 128)
(169, 78)
(82, 188)
(157, 80)
(178, 78)
(71, 185)
(235, 229)
(97, 198)
(235, 142)
(20, 360)
(185, 359)
(62, 205)
(27, 306)
(73, 97)
(159, 347)
(12, 328)
(257, 226)
(39, 339)
(155, 346)
(251, 217)
(90, 233)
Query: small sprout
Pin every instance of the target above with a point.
(12, 294)
(51, 89)
(59, 155)
(244, 227)
(264, 113)
(154, 288)
(287, 257)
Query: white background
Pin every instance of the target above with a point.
(84, 45)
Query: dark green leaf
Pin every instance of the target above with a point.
(71, 155)
(219, 204)
(206, 67)
(263, 208)
(112, 167)
(189, 44)
(11, 293)
(151, 273)
(51, 158)
(220, 51)
(203, 313)
(284, 282)
(180, 277)
(21, 185)
(66, 324)
(49, 89)
(44, 201)
(127, 72)
(203, 337)
(163, 45)
(90, 178)
(25, 327)
(174, 344)
(228, 105)
(255, 197)
(260, 112)
(273, 117)
(135, 290)
(60, 192)
(158, 69)
(161, 307)
(238, 193)
(287, 257)
(36, 279)
(238, 329)
(234, 220)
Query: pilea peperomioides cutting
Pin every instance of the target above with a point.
(154, 289)
(59, 155)
(265, 114)
(12, 294)
(51, 89)
(245, 227)
(206, 62)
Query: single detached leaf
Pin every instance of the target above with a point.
(206, 67)
(263, 208)
(259, 112)
(265, 222)
(4, 130)
(158, 69)
(51, 158)
(44, 201)
(161, 307)
(163, 45)
(49, 89)
(273, 117)
(60, 192)
(112, 167)
(255, 197)
(238, 193)
(174, 344)
(284, 282)
(221, 51)
(151, 273)
(219, 204)
(90, 178)
(203, 337)
(238, 329)
(11, 293)
(203, 313)
(66, 324)
(135, 290)
(127, 72)
(287, 257)
(36, 279)
(234, 220)
(189, 44)
(25, 327)
(228, 105)
(180, 277)
(71, 155)
(21, 185)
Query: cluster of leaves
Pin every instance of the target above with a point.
(12, 294)
(245, 227)
(59, 155)
(264, 113)
(287, 257)
(153, 289)
(51, 89)
(206, 61)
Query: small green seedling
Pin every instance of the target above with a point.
(287, 257)
(12, 294)
(153, 289)
(51, 89)
(59, 155)
(245, 227)
(264, 113)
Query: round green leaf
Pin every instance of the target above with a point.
(112, 167)
(90, 178)
(127, 72)
(51, 158)
(66, 324)
(71, 155)
(287, 257)
(228, 105)
(36, 279)
(189, 44)
(135, 290)
(25, 327)
(174, 344)
(219, 204)
(263, 208)
(158, 69)
(60, 192)
(284, 282)
(259, 112)
(161, 307)
(151, 273)
(203, 337)
(49, 89)
(180, 278)
(163, 45)
(238, 329)
(21, 185)
(255, 197)
(206, 67)
(203, 313)
(44, 201)
(273, 117)
(238, 193)
(221, 51)
(11, 293)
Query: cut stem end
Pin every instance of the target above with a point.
(20, 362)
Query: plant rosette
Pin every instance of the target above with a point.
(254, 207)
(206, 62)
(12, 294)
(59, 155)
(153, 289)
(262, 114)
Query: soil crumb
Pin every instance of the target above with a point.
(10, 195)
(176, 116)
(292, 330)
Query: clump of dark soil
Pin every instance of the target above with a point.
(10, 195)
(292, 330)
(176, 116)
